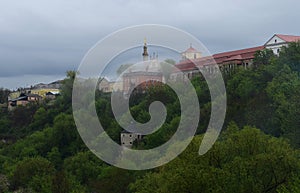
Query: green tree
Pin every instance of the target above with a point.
(114, 180)
(4, 184)
(291, 56)
(55, 157)
(85, 167)
(4, 95)
(284, 91)
(243, 161)
(40, 119)
(33, 173)
(65, 135)
(263, 57)
(292, 187)
(60, 183)
(64, 102)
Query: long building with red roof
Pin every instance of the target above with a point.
(232, 59)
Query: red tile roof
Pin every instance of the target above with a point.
(237, 56)
(238, 52)
(288, 38)
(190, 49)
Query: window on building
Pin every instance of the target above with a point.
(278, 50)
(275, 40)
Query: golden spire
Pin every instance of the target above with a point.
(145, 53)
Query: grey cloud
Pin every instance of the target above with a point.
(49, 37)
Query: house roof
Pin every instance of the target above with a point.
(191, 50)
(33, 95)
(18, 99)
(149, 66)
(225, 57)
(52, 93)
(142, 73)
(238, 52)
(236, 55)
(288, 38)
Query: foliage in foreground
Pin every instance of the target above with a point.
(242, 161)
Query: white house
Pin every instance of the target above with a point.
(279, 40)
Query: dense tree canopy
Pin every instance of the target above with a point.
(242, 161)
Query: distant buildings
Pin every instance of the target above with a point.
(148, 73)
(109, 86)
(188, 67)
(25, 98)
(228, 61)
(22, 100)
(35, 94)
(142, 75)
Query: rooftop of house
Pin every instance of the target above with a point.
(288, 38)
(238, 52)
(190, 50)
(219, 58)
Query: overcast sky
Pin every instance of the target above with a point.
(40, 40)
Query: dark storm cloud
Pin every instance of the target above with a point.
(49, 37)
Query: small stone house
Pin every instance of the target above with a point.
(128, 138)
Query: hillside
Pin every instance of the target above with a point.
(258, 150)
